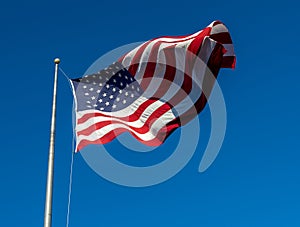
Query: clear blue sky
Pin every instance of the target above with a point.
(255, 180)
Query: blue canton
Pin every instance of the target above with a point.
(111, 89)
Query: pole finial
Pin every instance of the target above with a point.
(56, 60)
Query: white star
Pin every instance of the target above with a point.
(138, 89)
(94, 76)
(120, 75)
(132, 95)
(124, 101)
(100, 85)
(95, 105)
(84, 86)
(86, 94)
(118, 99)
(111, 96)
(114, 80)
(102, 108)
(91, 89)
(88, 106)
(121, 84)
(107, 86)
(104, 95)
(87, 81)
(86, 75)
(98, 91)
(114, 89)
(114, 106)
(132, 87)
(106, 78)
(93, 97)
(107, 103)
(126, 93)
(94, 83)
(120, 91)
(131, 79)
(88, 101)
(100, 100)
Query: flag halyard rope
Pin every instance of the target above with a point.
(71, 166)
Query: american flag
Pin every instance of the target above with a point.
(152, 90)
(111, 102)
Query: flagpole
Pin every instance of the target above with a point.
(49, 189)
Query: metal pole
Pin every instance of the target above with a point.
(49, 189)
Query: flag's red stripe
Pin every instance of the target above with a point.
(228, 62)
(222, 37)
(158, 140)
(217, 22)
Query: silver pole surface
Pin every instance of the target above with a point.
(49, 189)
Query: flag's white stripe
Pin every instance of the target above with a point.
(230, 50)
(219, 28)
(138, 123)
(129, 56)
(211, 24)
(151, 134)
(160, 67)
(206, 49)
